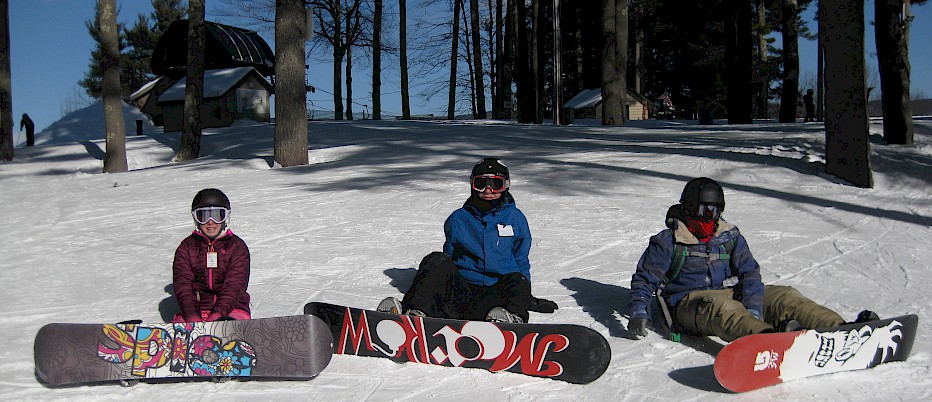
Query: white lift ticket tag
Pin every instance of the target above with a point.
(212, 260)
(505, 230)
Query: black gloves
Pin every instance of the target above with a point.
(638, 327)
(542, 306)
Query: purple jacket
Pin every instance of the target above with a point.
(220, 289)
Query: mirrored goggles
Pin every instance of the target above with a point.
(707, 212)
(493, 182)
(216, 214)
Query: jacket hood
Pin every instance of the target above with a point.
(676, 219)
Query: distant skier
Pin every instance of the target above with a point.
(211, 268)
(810, 106)
(30, 127)
(483, 272)
(714, 253)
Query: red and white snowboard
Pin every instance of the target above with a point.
(760, 360)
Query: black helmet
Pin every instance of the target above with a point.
(210, 197)
(702, 190)
(490, 166)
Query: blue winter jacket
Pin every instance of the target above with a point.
(697, 272)
(486, 245)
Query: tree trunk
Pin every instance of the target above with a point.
(612, 84)
(738, 65)
(498, 100)
(6, 86)
(621, 54)
(477, 58)
(115, 159)
(508, 62)
(403, 54)
(290, 148)
(190, 146)
(788, 94)
(523, 71)
(537, 57)
(763, 78)
(339, 51)
(470, 72)
(377, 62)
(820, 66)
(892, 38)
(349, 79)
(454, 57)
(557, 65)
(847, 141)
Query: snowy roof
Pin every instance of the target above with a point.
(216, 83)
(145, 88)
(591, 97)
(585, 99)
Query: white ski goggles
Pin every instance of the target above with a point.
(205, 214)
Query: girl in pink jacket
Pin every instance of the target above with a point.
(211, 268)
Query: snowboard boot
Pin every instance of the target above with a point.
(866, 316)
(499, 314)
(389, 305)
(788, 325)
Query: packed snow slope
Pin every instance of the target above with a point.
(351, 227)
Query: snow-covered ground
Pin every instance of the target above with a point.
(350, 228)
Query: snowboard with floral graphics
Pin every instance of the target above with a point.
(566, 352)
(761, 360)
(292, 347)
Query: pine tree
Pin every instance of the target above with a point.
(135, 44)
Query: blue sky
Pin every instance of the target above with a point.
(50, 52)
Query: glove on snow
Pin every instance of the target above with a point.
(542, 305)
(638, 327)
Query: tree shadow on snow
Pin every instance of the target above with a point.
(168, 307)
(601, 301)
(401, 278)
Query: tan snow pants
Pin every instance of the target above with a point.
(716, 312)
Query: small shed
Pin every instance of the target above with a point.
(229, 94)
(146, 98)
(587, 104)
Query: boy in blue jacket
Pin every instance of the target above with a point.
(715, 288)
(483, 272)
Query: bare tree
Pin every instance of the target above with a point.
(524, 72)
(613, 77)
(738, 61)
(115, 159)
(403, 49)
(479, 76)
(763, 74)
(377, 61)
(6, 86)
(454, 52)
(892, 38)
(290, 97)
(789, 92)
(190, 146)
(847, 141)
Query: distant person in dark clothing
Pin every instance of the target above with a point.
(810, 106)
(30, 130)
